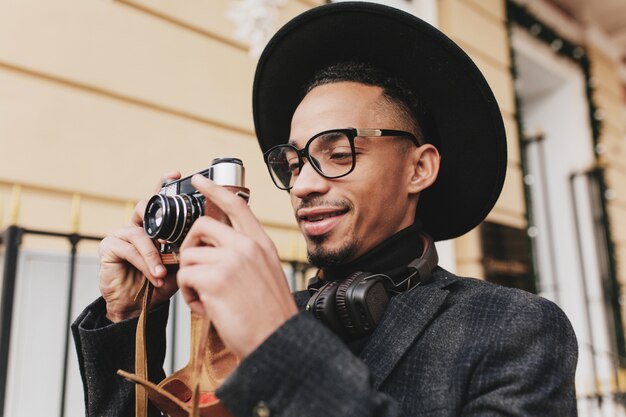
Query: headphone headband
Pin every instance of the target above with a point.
(423, 265)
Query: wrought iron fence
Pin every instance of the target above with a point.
(11, 240)
(10, 252)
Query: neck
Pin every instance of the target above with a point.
(391, 256)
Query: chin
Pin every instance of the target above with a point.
(321, 254)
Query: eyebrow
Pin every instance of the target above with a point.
(330, 136)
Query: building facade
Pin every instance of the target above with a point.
(98, 99)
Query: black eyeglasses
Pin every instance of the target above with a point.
(331, 153)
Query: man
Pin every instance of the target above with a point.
(381, 129)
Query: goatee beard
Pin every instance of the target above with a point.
(317, 255)
(320, 257)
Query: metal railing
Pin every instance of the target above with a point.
(11, 239)
(11, 243)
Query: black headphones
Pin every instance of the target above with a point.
(353, 307)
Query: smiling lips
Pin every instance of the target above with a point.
(319, 221)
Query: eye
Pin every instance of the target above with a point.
(341, 155)
(293, 166)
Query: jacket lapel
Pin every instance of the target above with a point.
(406, 318)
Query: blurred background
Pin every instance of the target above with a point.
(98, 98)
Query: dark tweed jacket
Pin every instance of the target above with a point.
(454, 347)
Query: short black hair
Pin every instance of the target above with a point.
(395, 90)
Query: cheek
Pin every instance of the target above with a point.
(382, 197)
(379, 204)
(372, 200)
(295, 201)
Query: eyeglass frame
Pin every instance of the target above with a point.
(351, 133)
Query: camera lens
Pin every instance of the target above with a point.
(170, 217)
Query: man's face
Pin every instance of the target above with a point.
(343, 218)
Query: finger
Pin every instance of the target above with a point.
(235, 207)
(167, 177)
(198, 254)
(121, 249)
(148, 251)
(140, 209)
(137, 216)
(210, 257)
(227, 248)
(192, 281)
(197, 277)
(208, 231)
(210, 234)
(193, 301)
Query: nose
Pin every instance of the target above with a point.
(308, 182)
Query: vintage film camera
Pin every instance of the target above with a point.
(170, 213)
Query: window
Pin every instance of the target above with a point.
(506, 256)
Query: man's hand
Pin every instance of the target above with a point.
(233, 274)
(126, 256)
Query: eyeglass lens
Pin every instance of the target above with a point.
(331, 154)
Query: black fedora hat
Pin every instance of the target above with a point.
(467, 126)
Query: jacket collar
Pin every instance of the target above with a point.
(407, 316)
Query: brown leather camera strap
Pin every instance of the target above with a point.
(183, 393)
(141, 357)
(198, 362)
(144, 388)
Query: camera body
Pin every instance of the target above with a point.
(170, 213)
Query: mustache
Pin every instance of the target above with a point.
(319, 202)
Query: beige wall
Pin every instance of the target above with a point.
(97, 99)
(609, 98)
(488, 46)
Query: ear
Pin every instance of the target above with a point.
(424, 168)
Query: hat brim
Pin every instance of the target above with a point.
(469, 132)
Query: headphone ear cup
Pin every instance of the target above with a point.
(343, 304)
(322, 305)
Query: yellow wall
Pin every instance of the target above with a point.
(100, 98)
(489, 48)
(479, 27)
(608, 96)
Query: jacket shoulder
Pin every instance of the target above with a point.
(480, 298)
